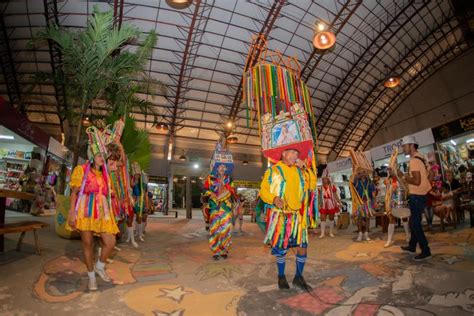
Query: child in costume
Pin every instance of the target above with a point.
(329, 204)
(238, 214)
(220, 193)
(91, 212)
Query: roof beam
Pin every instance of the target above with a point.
(338, 23)
(351, 76)
(7, 65)
(455, 50)
(378, 90)
(51, 16)
(253, 56)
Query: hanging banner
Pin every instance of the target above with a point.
(454, 128)
(424, 138)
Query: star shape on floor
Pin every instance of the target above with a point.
(178, 312)
(451, 260)
(361, 254)
(216, 270)
(176, 294)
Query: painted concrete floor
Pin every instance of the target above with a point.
(173, 274)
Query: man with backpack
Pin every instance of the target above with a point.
(418, 187)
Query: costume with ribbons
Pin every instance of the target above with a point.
(327, 200)
(93, 209)
(363, 196)
(221, 195)
(287, 227)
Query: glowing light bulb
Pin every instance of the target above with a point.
(324, 39)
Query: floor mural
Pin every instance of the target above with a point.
(172, 273)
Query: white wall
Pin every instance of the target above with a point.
(446, 96)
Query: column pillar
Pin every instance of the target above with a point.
(170, 188)
(188, 191)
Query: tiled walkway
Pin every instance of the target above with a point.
(172, 273)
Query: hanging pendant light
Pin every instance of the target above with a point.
(179, 4)
(232, 139)
(162, 127)
(86, 122)
(392, 80)
(323, 37)
(245, 162)
(324, 40)
(182, 158)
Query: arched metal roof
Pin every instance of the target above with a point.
(201, 52)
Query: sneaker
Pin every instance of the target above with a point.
(366, 236)
(134, 244)
(407, 249)
(224, 256)
(103, 275)
(216, 257)
(360, 237)
(283, 283)
(300, 283)
(110, 260)
(141, 238)
(422, 257)
(321, 236)
(92, 285)
(331, 235)
(117, 248)
(388, 244)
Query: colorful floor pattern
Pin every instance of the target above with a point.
(172, 273)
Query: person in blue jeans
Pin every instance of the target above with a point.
(418, 188)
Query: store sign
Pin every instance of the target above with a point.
(423, 138)
(19, 124)
(454, 128)
(59, 150)
(158, 179)
(339, 165)
(246, 184)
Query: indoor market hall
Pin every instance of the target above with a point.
(237, 157)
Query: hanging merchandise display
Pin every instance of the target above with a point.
(455, 144)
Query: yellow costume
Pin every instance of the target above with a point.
(287, 227)
(93, 211)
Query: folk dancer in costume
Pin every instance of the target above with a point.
(330, 203)
(284, 190)
(238, 214)
(363, 196)
(91, 211)
(139, 197)
(392, 183)
(220, 193)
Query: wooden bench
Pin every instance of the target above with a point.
(23, 227)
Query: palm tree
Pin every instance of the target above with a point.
(96, 66)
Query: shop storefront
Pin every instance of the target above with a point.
(381, 154)
(159, 187)
(248, 191)
(455, 144)
(340, 172)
